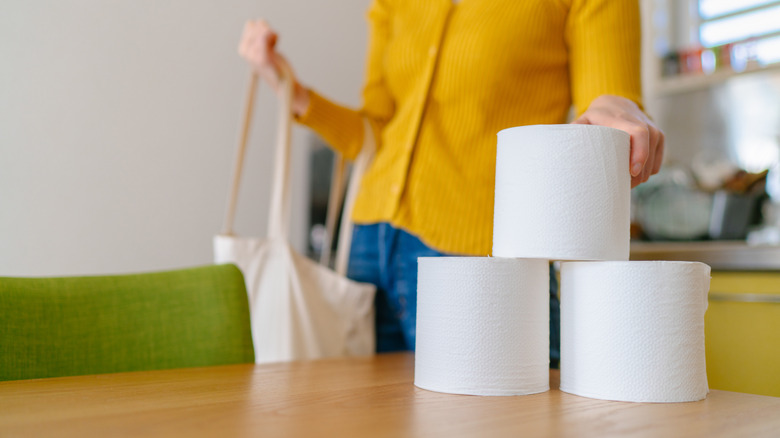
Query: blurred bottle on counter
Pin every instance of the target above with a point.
(768, 233)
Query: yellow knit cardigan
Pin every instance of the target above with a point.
(443, 78)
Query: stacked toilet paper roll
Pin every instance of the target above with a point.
(562, 193)
(631, 331)
(634, 331)
(482, 325)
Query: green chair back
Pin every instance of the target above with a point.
(68, 326)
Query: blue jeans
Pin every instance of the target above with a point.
(387, 257)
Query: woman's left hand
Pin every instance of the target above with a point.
(647, 141)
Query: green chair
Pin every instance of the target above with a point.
(69, 326)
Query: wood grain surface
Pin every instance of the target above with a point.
(360, 397)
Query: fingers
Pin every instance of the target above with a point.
(640, 155)
(581, 120)
(246, 39)
(647, 170)
(257, 45)
(640, 148)
(647, 141)
(655, 153)
(659, 153)
(265, 41)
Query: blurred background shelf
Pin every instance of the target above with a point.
(685, 83)
(720, 255)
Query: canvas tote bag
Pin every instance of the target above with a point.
(299, 309)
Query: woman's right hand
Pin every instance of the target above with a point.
(258, 47)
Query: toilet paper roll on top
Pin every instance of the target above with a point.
(634, 331)
(562, 193)
(482, 325)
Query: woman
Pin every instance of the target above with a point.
(442, 79)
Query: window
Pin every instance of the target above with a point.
(709, 9)
(751, 26)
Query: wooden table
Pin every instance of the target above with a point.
(365, 397)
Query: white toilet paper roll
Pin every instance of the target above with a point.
(482, 325)
(562, 193)
(634, 331)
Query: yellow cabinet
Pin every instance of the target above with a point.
(742, 332)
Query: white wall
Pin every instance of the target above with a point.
(119, 120)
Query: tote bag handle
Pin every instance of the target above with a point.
(227, 225)
(335, 198)
(359, 167)
(279, 214)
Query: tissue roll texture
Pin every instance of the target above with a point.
(634, 331)
(482, 325)
(562, 193)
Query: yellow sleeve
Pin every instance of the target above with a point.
(342, 127)
(604, 39)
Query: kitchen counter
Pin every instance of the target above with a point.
(720, 255)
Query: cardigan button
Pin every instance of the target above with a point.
(432, 51)
(395, 189)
